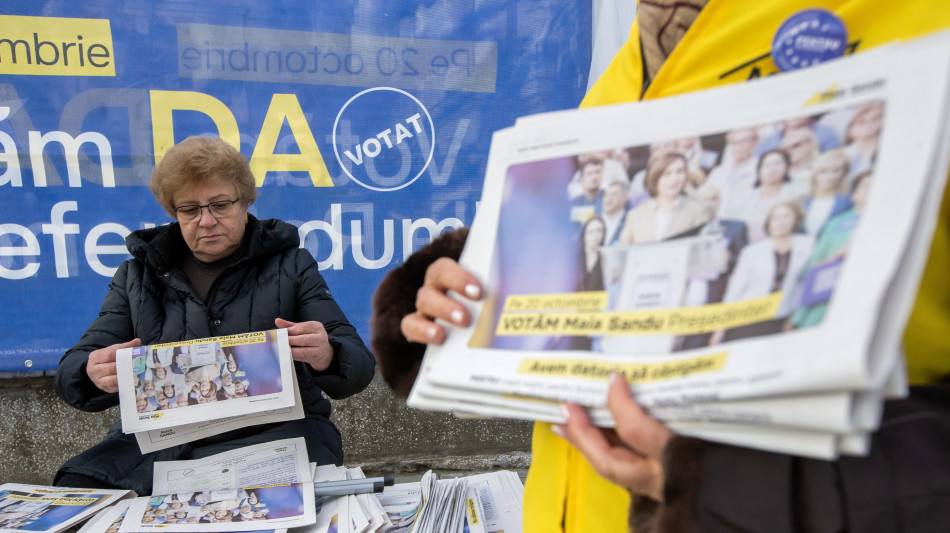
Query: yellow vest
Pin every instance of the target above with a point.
(730, 41)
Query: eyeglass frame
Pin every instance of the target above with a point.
(208, 207)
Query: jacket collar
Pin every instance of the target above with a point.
(162, 247)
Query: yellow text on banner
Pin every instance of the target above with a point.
(633, 372)
(676, 321)
(51, 46)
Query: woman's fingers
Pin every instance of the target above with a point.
(634, 427)
(433, 302)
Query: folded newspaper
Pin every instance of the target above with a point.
(745, 256)
(178, 392)
(51, 509)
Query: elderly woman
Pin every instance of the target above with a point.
(668, 212)
(216, 271)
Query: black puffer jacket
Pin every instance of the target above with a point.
(150, 298)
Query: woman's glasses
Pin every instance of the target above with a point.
(219, 209)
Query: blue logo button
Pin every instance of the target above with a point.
(807, 38)
(384, 138)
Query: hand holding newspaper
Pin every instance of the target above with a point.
(174, 393)
(784, 335)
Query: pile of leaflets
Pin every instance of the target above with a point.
(605, 242)
(175, 393)
(270, 487)
(478, 504)
(51, 509)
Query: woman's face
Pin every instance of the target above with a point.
(211, 238)
(239, 389)
(220, 513)
(781, 221)
(594, 234)
(149, 388)
(232, 365)
(252, 498)
(828, 177)
(227, 380)
(867, 124)
(169, 390)
(204, 388)
(182, 400)
(159, 373)
(772, 169)
(140, 404)
(672, 180)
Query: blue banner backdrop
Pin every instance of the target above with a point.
(367, 124)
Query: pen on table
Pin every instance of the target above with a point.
(352, 486)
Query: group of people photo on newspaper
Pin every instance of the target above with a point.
(780, 201)
(206, 508)
(188, 375)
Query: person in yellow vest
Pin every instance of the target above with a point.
(682, 484)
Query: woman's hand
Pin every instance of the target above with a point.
(309, 343)
(432, 302)
(629, 455)
(101, 366)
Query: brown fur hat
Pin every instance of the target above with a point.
(395, 297)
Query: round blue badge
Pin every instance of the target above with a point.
(807, 38)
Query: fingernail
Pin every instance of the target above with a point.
(564, 412)
(613, 378)
(431, 332)
(457, 316)
(472, 290)
(558, 430)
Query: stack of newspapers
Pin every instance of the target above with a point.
(746, 256)
(175, 393)
(273, 487)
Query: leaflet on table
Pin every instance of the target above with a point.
(109, 520)
(278, 506)
(46, 509)
(269, 463)
(173, 384)
(158, 439)
(401, 503)
(540, 335)
(368, 505)
(493, 502)
(332, 512)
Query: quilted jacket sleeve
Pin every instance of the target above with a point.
(112, 326)
(353, 365)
